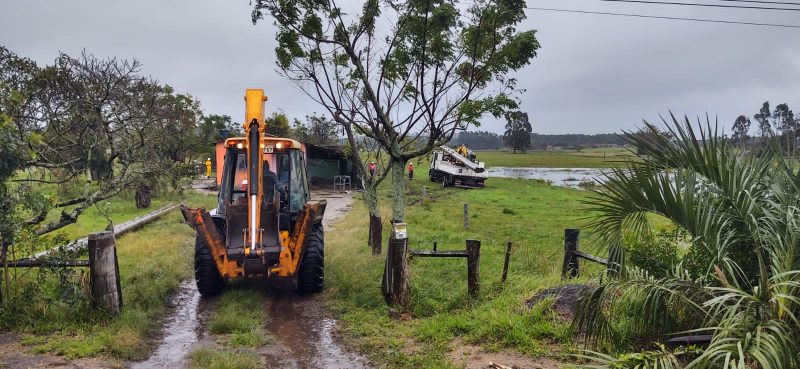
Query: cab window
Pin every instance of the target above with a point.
(297, 182)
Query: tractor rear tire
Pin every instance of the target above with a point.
(209, 281)
(311, 278)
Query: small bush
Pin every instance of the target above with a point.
(656, 254)
(509, 211)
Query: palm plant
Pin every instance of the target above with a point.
(740, 211)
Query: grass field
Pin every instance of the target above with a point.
(153, 261)
(531, 214)
(589, 158)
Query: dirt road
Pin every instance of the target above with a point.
(305, 333)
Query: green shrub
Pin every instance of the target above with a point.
(656, 253)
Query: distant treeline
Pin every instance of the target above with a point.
(484, 140)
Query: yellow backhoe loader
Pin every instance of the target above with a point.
(264, 225)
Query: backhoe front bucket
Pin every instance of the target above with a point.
(200, 220)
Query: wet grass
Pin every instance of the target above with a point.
(224, 359)
(530, 214)
(153, 261)
(237, 327)
(238, 317)
(556, 159)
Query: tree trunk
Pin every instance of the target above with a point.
(399, 183)
(375, 233)
(143, 195)
(375, 224)
(104, 272)
(395, 285)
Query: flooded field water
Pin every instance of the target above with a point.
(564, 177)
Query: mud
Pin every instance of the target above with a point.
(184, 328)
(475, 357)
(565, 299)
(306, 335)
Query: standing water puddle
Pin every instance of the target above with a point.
(564, 177)
(305, 335)
(183, 329)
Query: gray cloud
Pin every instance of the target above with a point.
(594, 73)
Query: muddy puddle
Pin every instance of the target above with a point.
(306, 335)
(563, 177)
(183, 329)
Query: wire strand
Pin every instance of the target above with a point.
(676, 3)
(761, 2)
(669, 18)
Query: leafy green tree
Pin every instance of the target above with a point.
(210, 131)
(278, 124)
(783, 120)
(99, 121)
(740, 129)
(740, 212)
(315, 129)
(762, 117)
(408, 74)
(518, 131)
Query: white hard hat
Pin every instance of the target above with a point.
(208, 159)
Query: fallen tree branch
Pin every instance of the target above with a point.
(119, 230)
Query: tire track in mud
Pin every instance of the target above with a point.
(184, 328)
(304, 331)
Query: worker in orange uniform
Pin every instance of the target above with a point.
(410, 171)
(372, 168)
(208, 168)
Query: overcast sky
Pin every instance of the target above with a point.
(593, 74)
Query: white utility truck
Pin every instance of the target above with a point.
(457, 168)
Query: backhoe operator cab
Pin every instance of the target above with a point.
(264, 224)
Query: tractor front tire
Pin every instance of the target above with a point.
(209, 281)
(311, 277)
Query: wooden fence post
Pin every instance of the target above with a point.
(571, 245)
(473, 267)
(395, 286)
(466, 216)
(104, 272)
(505, 263)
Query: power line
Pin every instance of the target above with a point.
(751, 7)
(669, 18)
(761, 2)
